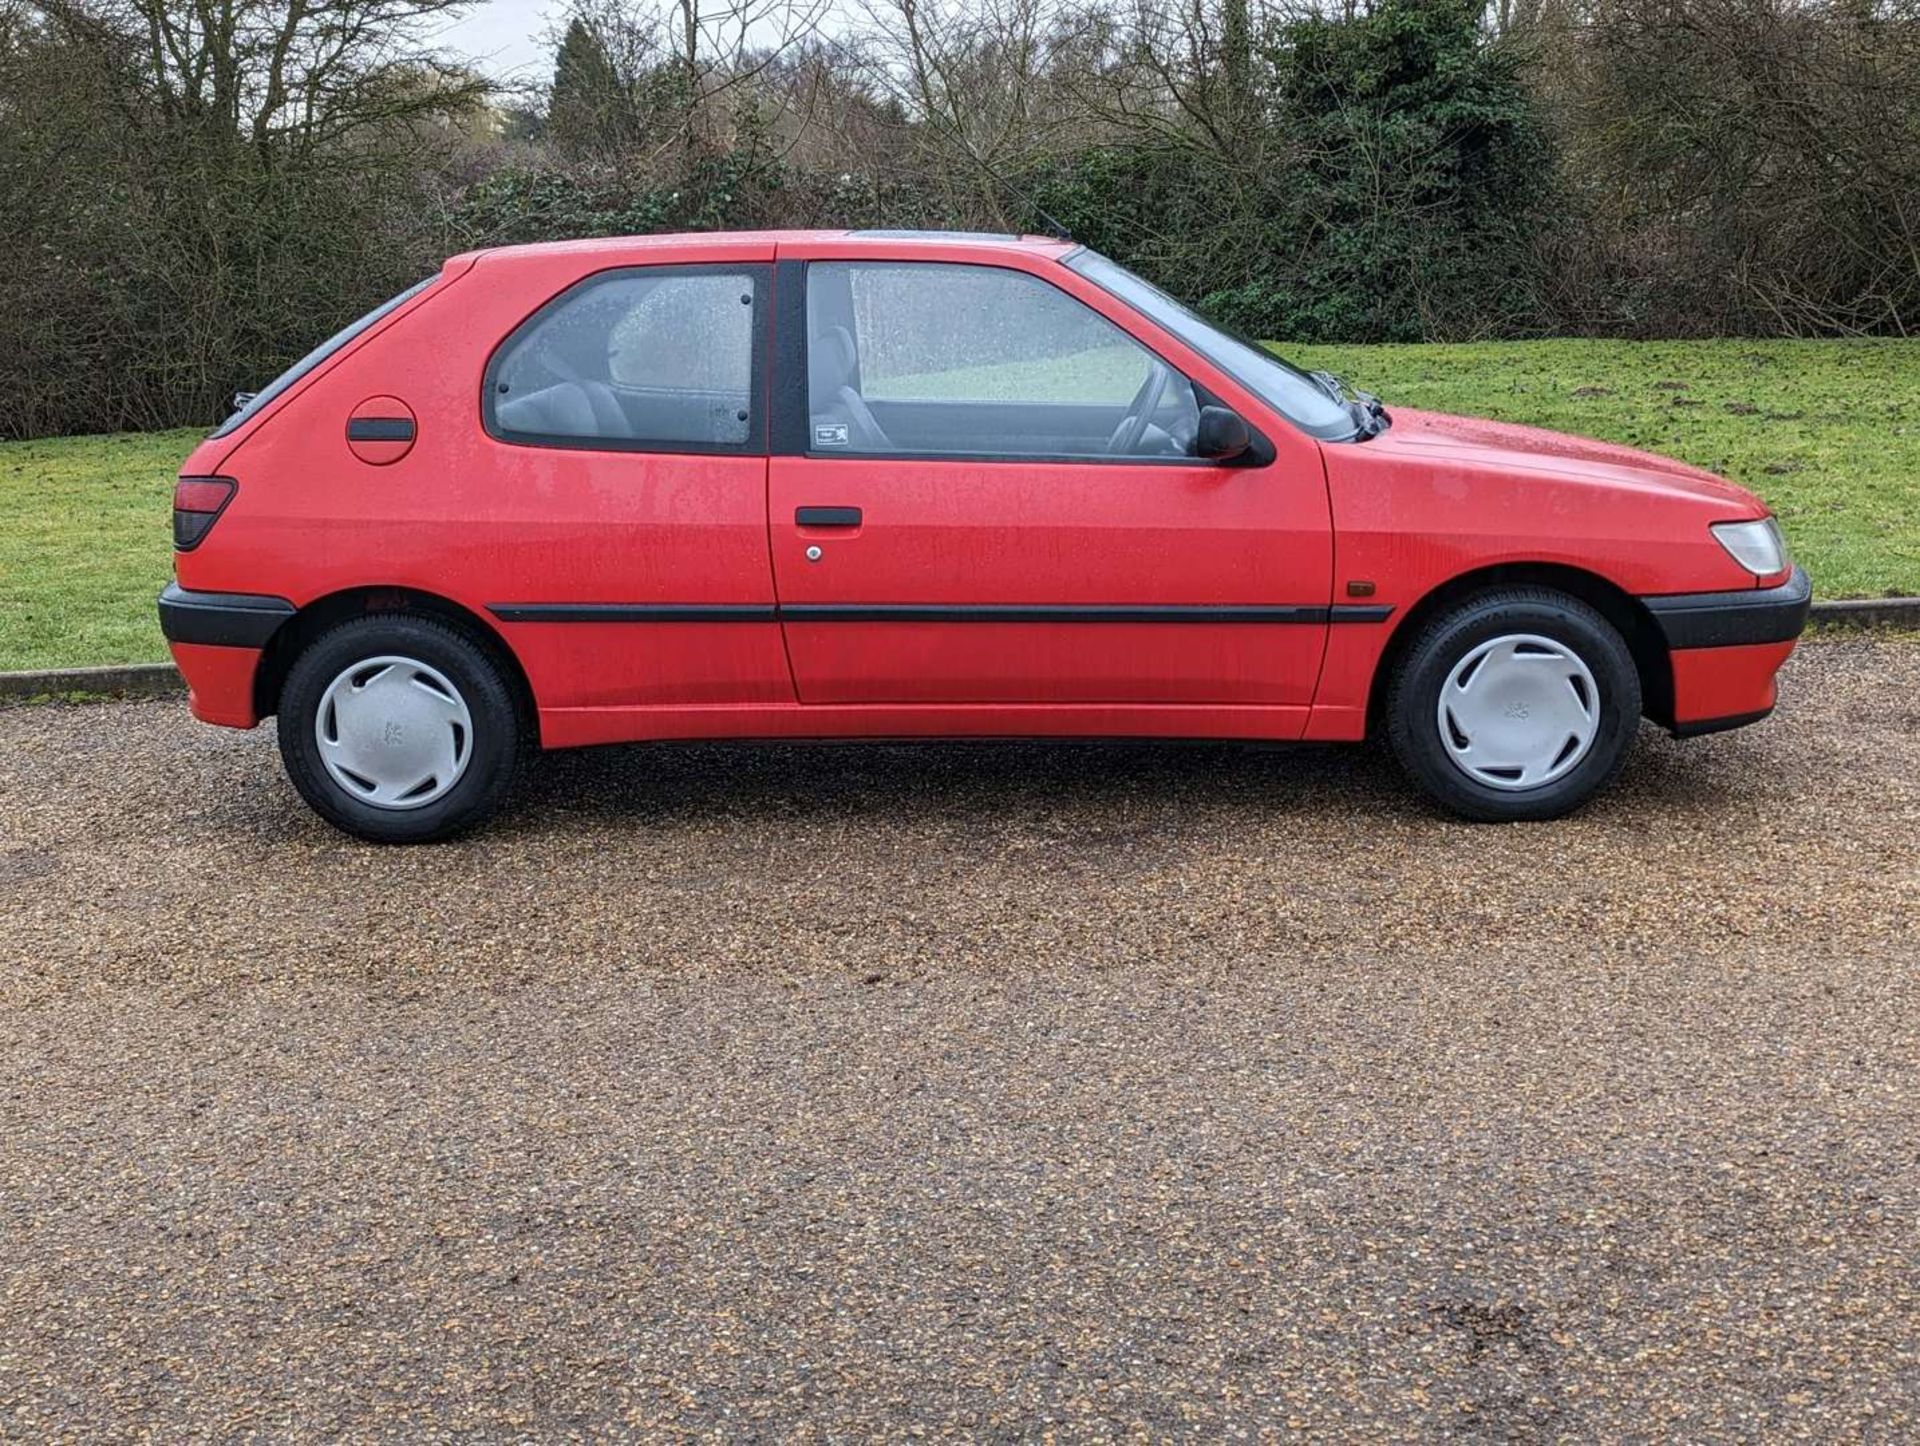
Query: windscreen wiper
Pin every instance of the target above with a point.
(1330, 384)
(1369, 413)
(1373, 411)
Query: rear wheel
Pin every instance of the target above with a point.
(1518, 704)
(398, 729)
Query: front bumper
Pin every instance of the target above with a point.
(1734, 619)
(1726, 648)
(216, 638)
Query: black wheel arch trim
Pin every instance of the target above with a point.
(221, 619)
(1733, 619)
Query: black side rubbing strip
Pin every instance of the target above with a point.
(826, 516)
(925, 613)
(1361, 613)
(380, 429)
(632, 612)
(1729, 619)
(220, 619)
(1041, 613)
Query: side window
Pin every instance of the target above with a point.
(648, 357)
(907, 357)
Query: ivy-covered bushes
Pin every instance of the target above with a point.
(1400, 193)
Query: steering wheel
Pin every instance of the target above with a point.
(1140, 411)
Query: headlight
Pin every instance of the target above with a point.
(1756, 546)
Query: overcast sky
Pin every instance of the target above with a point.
(510, 40)
(505, 39)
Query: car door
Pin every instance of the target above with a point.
(997, 502)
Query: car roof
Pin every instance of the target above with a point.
(881, 242)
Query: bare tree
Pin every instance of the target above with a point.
(285, 75)
(981, 90)
(1750, 163)
(673, 72)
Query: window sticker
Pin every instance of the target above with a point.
(830, 434)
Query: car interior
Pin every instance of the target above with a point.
(570, 375)
(608, 363)
(1160, 420)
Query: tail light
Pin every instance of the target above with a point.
(197, 505)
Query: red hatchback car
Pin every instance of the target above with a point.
(887, 484)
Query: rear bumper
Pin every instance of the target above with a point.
(220, 619)
(216, 638)
(1726, 648)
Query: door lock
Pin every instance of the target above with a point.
(813, 554)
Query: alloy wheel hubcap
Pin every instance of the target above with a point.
(1519, 711)
(394, 732)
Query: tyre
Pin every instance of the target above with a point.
(1517, 704)
(398, 729)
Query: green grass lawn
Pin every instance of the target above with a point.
(1827, 431)
(86, 547)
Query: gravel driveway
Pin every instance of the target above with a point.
(852, 1092)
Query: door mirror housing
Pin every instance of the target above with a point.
(1223, 435)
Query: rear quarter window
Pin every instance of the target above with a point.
(636, 359)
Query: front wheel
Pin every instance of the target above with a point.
(1518, 704)
(398, 729)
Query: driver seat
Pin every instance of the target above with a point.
(833, 369)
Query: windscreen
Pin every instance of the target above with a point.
(1285, 388)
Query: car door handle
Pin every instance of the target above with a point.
(826, 516)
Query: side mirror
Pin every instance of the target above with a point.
(1223, 435)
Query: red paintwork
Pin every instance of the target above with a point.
(476, 521)
(985, 532)
(219, 683)
(1436, 497)
(1725, 682)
